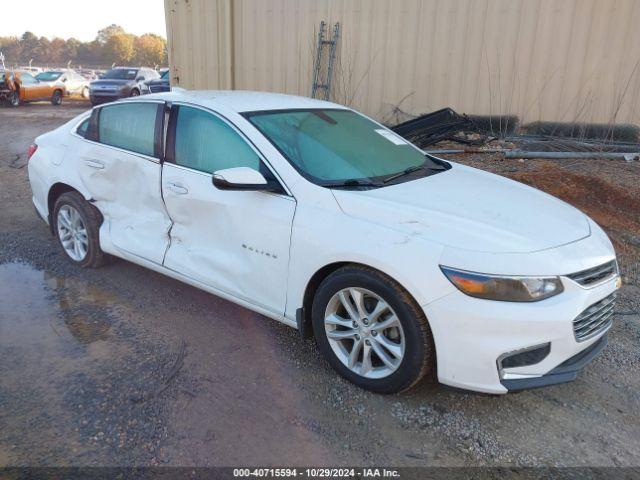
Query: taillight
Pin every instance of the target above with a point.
(31, 150)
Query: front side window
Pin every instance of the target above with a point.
(130, 126)
(206, 143)
(27, 79)
(333, 146)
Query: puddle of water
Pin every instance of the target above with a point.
(51, 329)
(40, 309)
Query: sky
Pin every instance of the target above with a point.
(83, 18)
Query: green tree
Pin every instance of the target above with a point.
(41, 52)
(150, 49)
(107, 32)
(71, 49)
(57, 52)
(120, 48)
(28, 46)
(11, 49)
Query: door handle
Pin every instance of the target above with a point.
(94, 164)
(177, 189)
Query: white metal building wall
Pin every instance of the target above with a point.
(565, 60)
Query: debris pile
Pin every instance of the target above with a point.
(503, 134)
(440, 125)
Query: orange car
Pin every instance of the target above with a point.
(19, 86)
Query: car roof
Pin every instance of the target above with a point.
(244, 101)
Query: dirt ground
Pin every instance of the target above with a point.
(123, 366)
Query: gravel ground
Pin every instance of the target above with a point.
(122, 366)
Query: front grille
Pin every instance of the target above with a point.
(595, 275)
(594, 319)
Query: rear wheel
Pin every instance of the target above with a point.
(77, 224)
(56, 98)
(371, 331)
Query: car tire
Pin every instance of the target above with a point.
(76, 225)
(406, 343)
(14, 99)
(134, 93)
(85, 93)
(56, 98)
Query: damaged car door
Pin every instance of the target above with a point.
(120, 168)
(236, 241)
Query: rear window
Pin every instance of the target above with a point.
(130, 126)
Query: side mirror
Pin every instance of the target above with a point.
(243, 178)
(139, 79)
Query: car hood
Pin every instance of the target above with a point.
(110, 83)
(470, 209)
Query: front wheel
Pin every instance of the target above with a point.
(14, 99)
(371, 331)
(135, 92)
(56, 98)
(85, 92)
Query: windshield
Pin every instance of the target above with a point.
(332, 146)
(165, 75)
(121, 74)
(48, 76)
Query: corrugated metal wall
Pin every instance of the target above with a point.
(565, 60)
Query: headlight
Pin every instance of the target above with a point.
(503, 288)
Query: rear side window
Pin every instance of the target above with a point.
(204, 142)
(130, 126)
(82, 128)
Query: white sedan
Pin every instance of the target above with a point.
(400, 264)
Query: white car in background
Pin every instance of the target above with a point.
(73, 83)
(400, 264)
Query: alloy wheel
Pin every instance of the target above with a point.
(364, 332)
(72, 233)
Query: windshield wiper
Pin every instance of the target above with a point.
(407, 171)
(352, 182)
(410, 170)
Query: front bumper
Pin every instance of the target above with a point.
(471, 334)
(100, 97)
(565, 372)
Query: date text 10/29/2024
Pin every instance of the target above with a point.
(316, 472)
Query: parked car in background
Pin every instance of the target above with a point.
(121, 82)
(72, 82)
(160, 84)
(20, 86)
(88, 74)
(31, 70)
(402, 264)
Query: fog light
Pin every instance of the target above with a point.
(524, 357)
